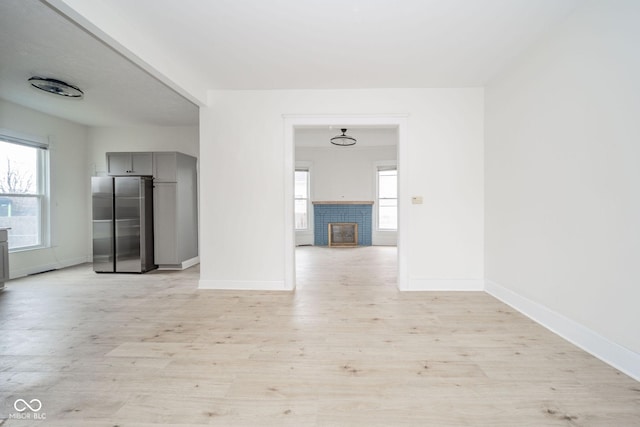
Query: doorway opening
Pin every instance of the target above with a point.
(348, 179)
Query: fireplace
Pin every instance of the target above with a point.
(341, 212)
(343, 234)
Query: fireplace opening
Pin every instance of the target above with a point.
(343, 234)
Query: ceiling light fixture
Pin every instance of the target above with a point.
(57, 87)
(343, 140)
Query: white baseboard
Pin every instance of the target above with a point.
(384, 238)
(34, 269)
(609, 352)
(304, 238)
(244, 285)
(190, 262)
(444, 285)
(182, 266)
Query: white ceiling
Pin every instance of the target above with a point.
(35, 40)
(262, 44)
(322, 44)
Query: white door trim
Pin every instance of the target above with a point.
(293, 121)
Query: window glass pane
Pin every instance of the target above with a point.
(22, 215)
(388, 214)
(301, 190)
(301, 185)
(18, 169)
(301, 214)
(388, 184)
(388, 199)
(20, 196)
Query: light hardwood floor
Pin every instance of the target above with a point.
(345, 349)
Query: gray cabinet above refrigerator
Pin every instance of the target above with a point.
(134, 164)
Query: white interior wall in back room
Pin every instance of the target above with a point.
(563, 182)
(344, 173)
(243, 243)
(184, 139)
(69, 189)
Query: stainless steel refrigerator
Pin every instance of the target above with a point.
(122, 224)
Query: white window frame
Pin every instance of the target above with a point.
(306, 167)
(380, 166)
(43, 194)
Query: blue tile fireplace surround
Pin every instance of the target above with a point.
(325, 213)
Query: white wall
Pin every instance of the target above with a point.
(563, 177)
(69, 187)
(242, 163)
(346, 173)
(184, 139)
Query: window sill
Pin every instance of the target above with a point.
(27, 249)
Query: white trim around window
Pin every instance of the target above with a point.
(305, 236)
(36, 235)
(382, 237)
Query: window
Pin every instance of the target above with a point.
(302, 199)
(23, 191)
(387, 198)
